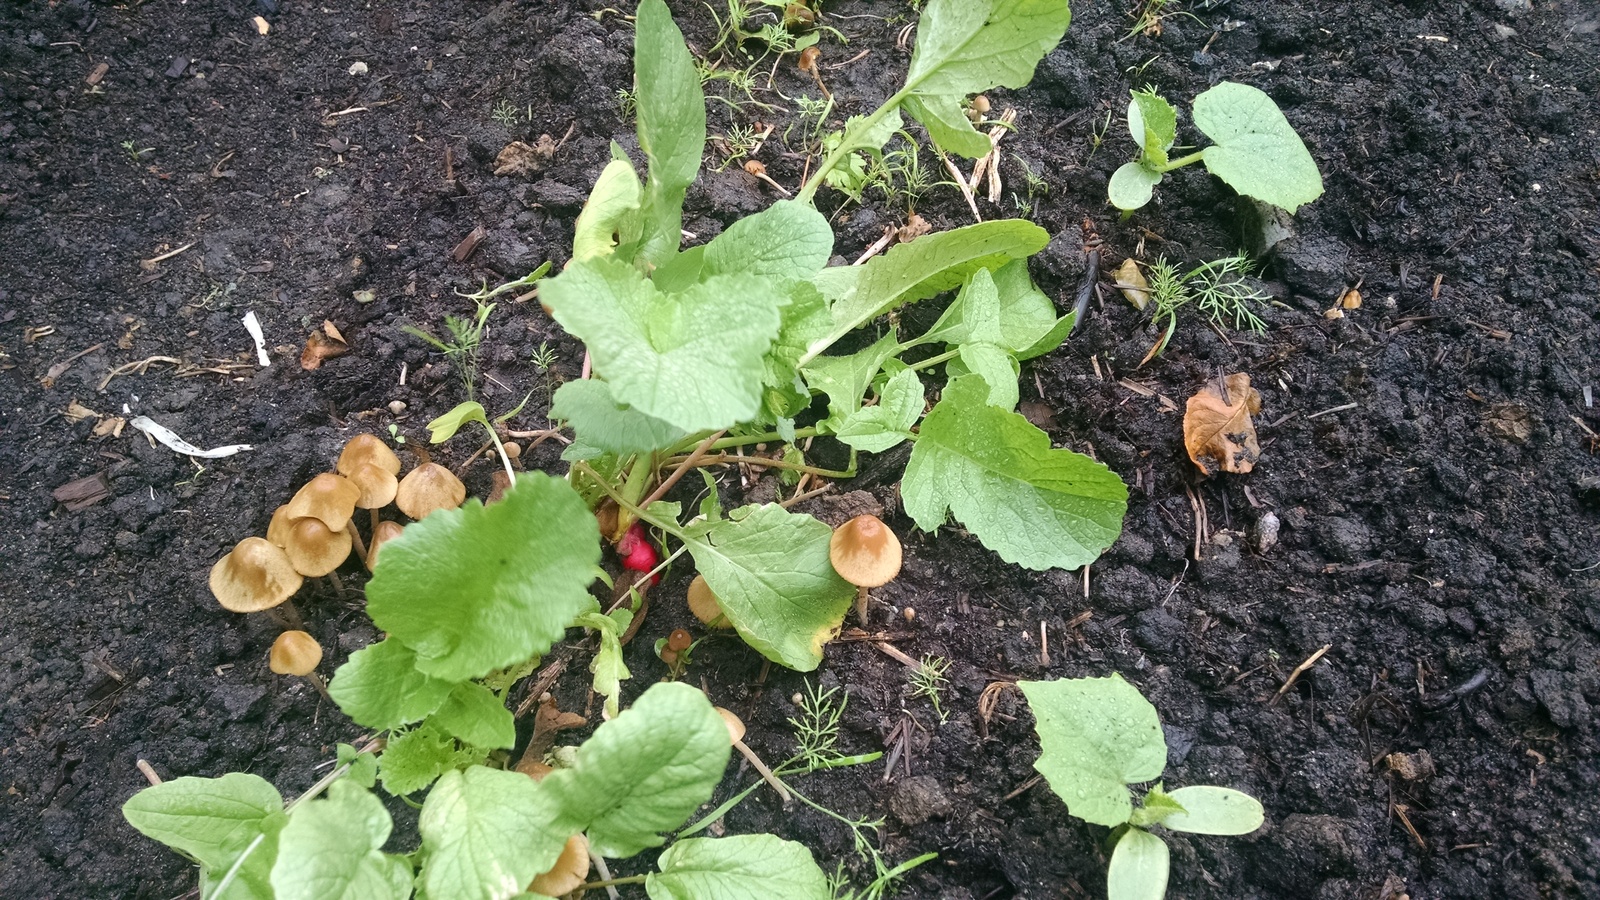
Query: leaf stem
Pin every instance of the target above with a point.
(847, 146)
(609, 882)
(932, 361)
(667, 525)
(744, 440)
(1181, 161)
(682, 470)
(728, 458)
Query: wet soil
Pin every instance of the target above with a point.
(1429, 458)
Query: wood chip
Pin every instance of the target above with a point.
(469, 244)
(97, 73)
(84, 492)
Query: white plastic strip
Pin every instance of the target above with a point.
(177, 444)
(253, 325)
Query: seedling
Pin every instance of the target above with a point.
(1221, 289)
(1096, 737)
(928, 680)
(1256, 151)
(465, 339)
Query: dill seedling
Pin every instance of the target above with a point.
(816, 731)
(928, 680)
(466, 339)
(1220, 288)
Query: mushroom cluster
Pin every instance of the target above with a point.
(313, 534)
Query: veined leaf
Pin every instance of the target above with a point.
(1024, 318)
(1096, 737)
(996, 366)
(744, 867)
(215, 821)
(607, 666)
(487, 832)
(874, 429)
(769, 569)
(692, 359)
(380, 687)
(948, 124)
(474, 715)
(417, 758)
(611, 214)
(1154, 125)
(331, 849)
(600, 422)
(1214, 810)
(1035, 506)
(1132, 185)
(643, 772)
(671, 123)
(845, 379)
(1257, 151)
(788, 239)
(1138, 868)
(474, 589)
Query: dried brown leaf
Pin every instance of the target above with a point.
(1133, 285)
(332, 330)
(320, 347)
(1217, 429)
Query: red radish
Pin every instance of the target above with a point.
(637, 553)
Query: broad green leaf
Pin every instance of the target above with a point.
(1051, 340)
(874, 429)
(923, 268)
(968, 46)
(1029, 326)
(681, 270)
(692, 359)
(380, 687)
(1132, 185)
(788, 239)
(599, 421)
(999, 370)
(1154, 125)
(804, 321)
(1257, 151)
(671, 123)
(1035, 506)
(1215, 810)
(474, 589)
(331, 849)
(214, 821)
(745, 867)
(948, 124)
(643, 772)
(474, 715)
(845, 379)
(769, 569)
(445, 427)
(1138, 867)
(611, 214)
(607, 666)
(417, 758)
(486, 833)
(1096, 737)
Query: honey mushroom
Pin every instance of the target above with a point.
(373, 468)
(297, 653)
(428, 487)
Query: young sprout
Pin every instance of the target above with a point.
(736, 734)
(867, 554)
(570, 870)
(705, 606)
(428, 487)
(254, 576)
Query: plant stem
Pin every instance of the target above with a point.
(846, 146)
(682, 470)
(667, 525)
(728, 458)
(596, 885)
(746, 440)
(935, 360)
(1181, 161)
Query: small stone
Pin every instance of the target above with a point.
(262, 25)
(358, 68)
(1344, 539)
(917, 799)
(397, 406)
(1416, 766)
(177, 67)
(1267, 532)
(1314, 266)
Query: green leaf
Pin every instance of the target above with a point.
(948, 124)
(671, 123)
(692, 359)
(363, 767)
(845, 379)
(769, 569)
(611, 214)
(1132, 185)
(1138, 868)
(1156, 805)
(999, 370)
(600, 422)
(967, 46)
(1154, 125)
(486, 833)
(474, 715)
(643, 772)
(607, 666)
(1096, 737)
(473, 589)
(1215, 810)
(788, 239)
(804, 321)
(380, 687)
(214, 821)
(445, 427)
(414, 760)
(332, 850)
(874, 429)
(1257, 151)
(1035, 506)
(923, 268)
(1025, 318)
(745, 867)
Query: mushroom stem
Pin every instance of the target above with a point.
(288, 616)
(766, 773)
(372, 530)
(338, 584)
(861, 605)
(355, 540)
(316, 681)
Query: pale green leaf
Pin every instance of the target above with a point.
(745, 867)
(1154, 125)
(874, 429)
(1138, 867)
(607, 667)
(788, 239)
(1257, 151)
(1156, 805)
(804, 321)
(611, 214)
(692, 359)
(1132, 185)
(671, 123)
(999, 370)
(599, 421)
(643, 772)
(445, 427)
(486, 833)
(1096, 737)
(331, 849)
(948, 124)
(1028, 325)
(379, 687)
(1215, 810)
(967, 46)
(1035, 506)
(474, 715)
(362, 767)
(414, 760)
(215, 821)
(474, 589)
(769, 569)
(845, 379)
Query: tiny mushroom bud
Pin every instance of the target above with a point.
(294, 653)
(254, 576)
(679, 640)
(736, 734)
(981, 104)
(867, 554)
(704, 604)
(570, 870)
(367, 449)
(314, 550)
(328, 497)
(385, 532)
(428, 487)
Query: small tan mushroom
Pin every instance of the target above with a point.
(277, 529)
(570, 870)
(428, 487)
(328, 497)
(736, 734)
(385, 532)
(254, 576)
(294, 653)
(312, 549)
(366, 449)
(378, 486)
(867, 554)
(705, 606)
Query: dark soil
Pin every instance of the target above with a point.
(1430, 456)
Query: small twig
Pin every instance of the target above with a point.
(150, 264)
(1331, 411)
(683, 469)
(895, 654)
(1021, 789)
(1301, 670)
(878, 246)
(961, 182)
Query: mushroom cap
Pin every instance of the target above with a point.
(428, 487)
(377, 485)
(570, 870)
(865, 552)
(367, 449)
(294, 653)
(704, 604)
(385, 532)
(255, 575)
(328, 497)
(313, 549)
(277, 528)
(735, 725)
